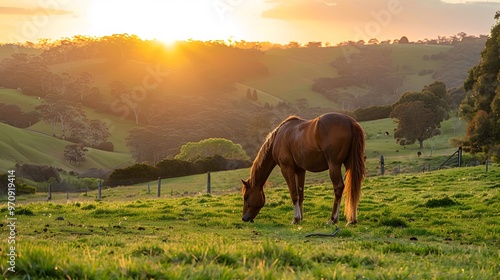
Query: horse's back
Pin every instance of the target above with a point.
(335, 120)
(335, 136)
(313, 144)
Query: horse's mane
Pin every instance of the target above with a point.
(268, 143)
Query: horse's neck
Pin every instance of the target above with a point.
(261, 171)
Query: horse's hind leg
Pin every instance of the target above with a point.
(301, 178)
(338, 188)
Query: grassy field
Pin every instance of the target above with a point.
(436, 225)
(25, 146)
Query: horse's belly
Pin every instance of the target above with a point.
(314, 162)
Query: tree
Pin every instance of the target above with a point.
(127, 99)
(211, 147)
(61, 112)
(75, 154)
(148, 144)
(481, 106)
(403, 40)
(97, 132)
(419, 114)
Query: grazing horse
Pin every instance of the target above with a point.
(297, 146)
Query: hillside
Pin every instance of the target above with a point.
(293, 71)
(211, 108)
(25, 146)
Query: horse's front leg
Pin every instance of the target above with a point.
(338, 189)
(296, 191)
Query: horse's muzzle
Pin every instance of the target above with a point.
(246, 218)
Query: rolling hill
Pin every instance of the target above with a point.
(293, 71)
(26, 146)
(290, 76)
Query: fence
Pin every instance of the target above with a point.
(455, 160)
(146, 189)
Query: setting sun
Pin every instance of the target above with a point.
(167, 21)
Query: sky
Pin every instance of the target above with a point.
(279, 21)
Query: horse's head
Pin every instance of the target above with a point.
(254, 200)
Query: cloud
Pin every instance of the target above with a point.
(387, 18)
(31, 11)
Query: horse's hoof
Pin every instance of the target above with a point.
(296, 221)
(331, 222)
(352, 223)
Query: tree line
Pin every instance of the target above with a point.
(213, 154)
(481, 106)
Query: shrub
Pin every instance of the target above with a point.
(21, 187)
(133, 174)
(373, 113)
(105, 146)
(175, 168)
(37, 173)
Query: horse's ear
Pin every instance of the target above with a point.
(245, 183)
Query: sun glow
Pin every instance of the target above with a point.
(167, 21)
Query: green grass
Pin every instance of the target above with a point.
(437, 225)
(25, 102)
(25, 146)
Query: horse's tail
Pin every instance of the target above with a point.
(355, 172)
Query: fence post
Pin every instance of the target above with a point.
(67, 195)
(159, 186)
(208, 182)
(399, 169)
(49, 197)
(149, 189)
(382, 169)
(487, 162)
(460, 156)
(99, 190)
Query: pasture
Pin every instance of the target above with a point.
(435, 225)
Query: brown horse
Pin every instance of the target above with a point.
(297, 146)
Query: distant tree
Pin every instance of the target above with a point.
(249, 94)
(74, 154)
(12, 115)
(314, 44)
(211, 147)
(66, 114)
(97, 132)
(481, 106)
(419, 114)
(403, 40)
(373, 41)
(148, 144)
(22, 70)
(293, 45)
(127, 99)
(255, 97)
